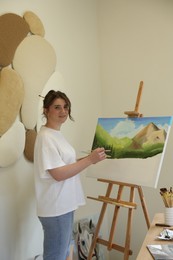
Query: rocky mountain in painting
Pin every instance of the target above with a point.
(150, 134)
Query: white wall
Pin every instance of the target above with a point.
(131, 41)
(136, 40)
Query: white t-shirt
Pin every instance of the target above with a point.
(55, 198)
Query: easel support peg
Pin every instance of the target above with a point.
(135, 113)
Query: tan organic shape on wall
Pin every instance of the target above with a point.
(35, 24)
(11, 98)
(13, 29)
(12, 144)
(35, 61)
(32, 61)
(29, 144)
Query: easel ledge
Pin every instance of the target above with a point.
(121, 203)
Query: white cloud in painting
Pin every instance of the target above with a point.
(125, 128)
(128, 128)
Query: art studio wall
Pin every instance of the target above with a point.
(104, 49)
(136, 44)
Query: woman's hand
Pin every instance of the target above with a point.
(97, 155)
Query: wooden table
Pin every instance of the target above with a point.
(153, 231)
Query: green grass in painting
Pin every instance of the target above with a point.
(122, 147)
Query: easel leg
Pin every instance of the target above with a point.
(129, 225)
(120, 190)
(144, 207)
(103, 210)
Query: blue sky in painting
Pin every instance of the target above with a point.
(121, 127)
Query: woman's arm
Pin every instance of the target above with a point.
(70, 170)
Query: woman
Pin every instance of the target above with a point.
(57, 183)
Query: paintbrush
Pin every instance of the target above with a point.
(88, 152)
(167, 196)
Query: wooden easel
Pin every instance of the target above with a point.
(118, 203)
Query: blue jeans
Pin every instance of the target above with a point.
(57, 236)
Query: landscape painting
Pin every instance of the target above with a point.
(135, 148)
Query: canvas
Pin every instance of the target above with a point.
(135, 149)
